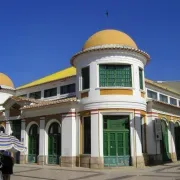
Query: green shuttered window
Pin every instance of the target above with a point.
(141, 78)
(85, 78)
(115, 76)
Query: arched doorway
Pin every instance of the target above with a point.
(164, 142)
(33, 150)
(2, 130)
(177, 139)
(54, 143)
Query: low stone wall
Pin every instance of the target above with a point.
(85, 161)
(173, 157)
(42, 160)
(68, 161)
(97, 162)
(23, 159)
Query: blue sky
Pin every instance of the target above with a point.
(38, 37)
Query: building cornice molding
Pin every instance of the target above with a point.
(110, 47)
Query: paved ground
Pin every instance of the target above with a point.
(34, 172)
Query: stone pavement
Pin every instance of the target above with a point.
(169, 171)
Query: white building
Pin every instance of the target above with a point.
(101, 112)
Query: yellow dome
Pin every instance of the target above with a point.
(5, 80)
(109, 36)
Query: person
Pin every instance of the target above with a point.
(7, 166)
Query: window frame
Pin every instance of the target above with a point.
(115, 87)
(153, 92)
(172, 98)
(163, 95)
(63, 86)
(35, 93)
(50, 89)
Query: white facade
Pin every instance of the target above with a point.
(72, 131)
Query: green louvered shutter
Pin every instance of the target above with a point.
(141, 78)
(115, 76)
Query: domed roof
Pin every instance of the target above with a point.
(5, 80)
(109, 37)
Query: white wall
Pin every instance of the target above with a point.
(49, 85)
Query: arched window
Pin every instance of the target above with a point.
(164, 142)
(54, 143)
(177, 139)
(33, 143)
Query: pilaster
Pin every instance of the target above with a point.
(96, 160)
(153, 145)
(69, 139)
(138, 159)
(23, 155)
(42, 156)
(172, 148)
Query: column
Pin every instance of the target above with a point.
(136, 83)
(69, 144)
(42, 135)
(171, 135)
(8, 126)
(96, 141)
(138, 159)
(23, 155)
(153, 145)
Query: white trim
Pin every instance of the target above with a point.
(13, 118)
(29, 126)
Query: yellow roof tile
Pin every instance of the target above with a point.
(68, 72)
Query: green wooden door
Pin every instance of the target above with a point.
(54, 144)
(33, 148)
(164, 142)
(116, 141)
(177, 139)
(16, 131)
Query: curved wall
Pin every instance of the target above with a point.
(113, 97)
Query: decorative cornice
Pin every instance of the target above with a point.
(110, 47)
(6, 88)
